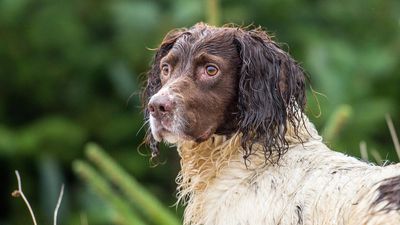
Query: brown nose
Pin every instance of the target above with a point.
(159, 106)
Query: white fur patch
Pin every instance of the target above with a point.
(311, 184)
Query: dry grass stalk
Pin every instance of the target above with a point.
(378, 158)
(393, 134)
(363, 150)
(19, 192)
(58, 204)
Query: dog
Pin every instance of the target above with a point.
(233, 102)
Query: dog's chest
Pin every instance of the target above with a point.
(230, 199)
(301, 192)
(243, 196)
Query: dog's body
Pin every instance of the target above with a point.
(311, 184)
(232, 102)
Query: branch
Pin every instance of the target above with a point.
(19, 192)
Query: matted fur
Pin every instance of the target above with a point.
(311, 184)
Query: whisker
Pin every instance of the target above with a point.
(130, 97)
(144, 124)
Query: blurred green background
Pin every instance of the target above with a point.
(71, 72)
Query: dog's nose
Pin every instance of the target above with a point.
(160, 106)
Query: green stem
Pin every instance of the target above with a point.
(336, 122)
(154, 210)
(126, 214)
(213, 12)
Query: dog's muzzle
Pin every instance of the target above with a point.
(162, 109)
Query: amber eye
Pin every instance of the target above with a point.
(211, 70)
(165, 70)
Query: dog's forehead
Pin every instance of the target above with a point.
(211, 40)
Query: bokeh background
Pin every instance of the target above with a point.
(71, 72)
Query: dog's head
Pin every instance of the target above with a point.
(207, 80)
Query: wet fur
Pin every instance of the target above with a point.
(311, 184)
(288, 175)
(270, 87)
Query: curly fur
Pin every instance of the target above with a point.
(271, 89)
(271, 92)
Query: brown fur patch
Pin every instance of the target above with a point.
(389, 194)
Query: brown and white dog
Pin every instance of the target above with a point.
(232, 101)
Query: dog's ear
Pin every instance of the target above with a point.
(271, 93)
(154, 82)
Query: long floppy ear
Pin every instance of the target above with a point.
(271, 93)
(154, 83)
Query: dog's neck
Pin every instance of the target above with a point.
(202, 162)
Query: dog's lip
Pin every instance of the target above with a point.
(159, 133)
(162, 124)
(165, 124)
(162, 127)
(158, 129)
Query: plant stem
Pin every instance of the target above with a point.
(58, 204)
(21, 193)
(132, 189)
(213, 12)
(336, 122)
(393, 134)
(90, 175)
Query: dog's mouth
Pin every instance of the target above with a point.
(166, 129)
(162, 130)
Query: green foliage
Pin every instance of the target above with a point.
(71, 73)
(122, 212)
(145, 202)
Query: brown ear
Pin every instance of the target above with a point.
(271, 92)
(153, 79)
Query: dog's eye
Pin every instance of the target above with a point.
(211, 70)
(165, 69)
